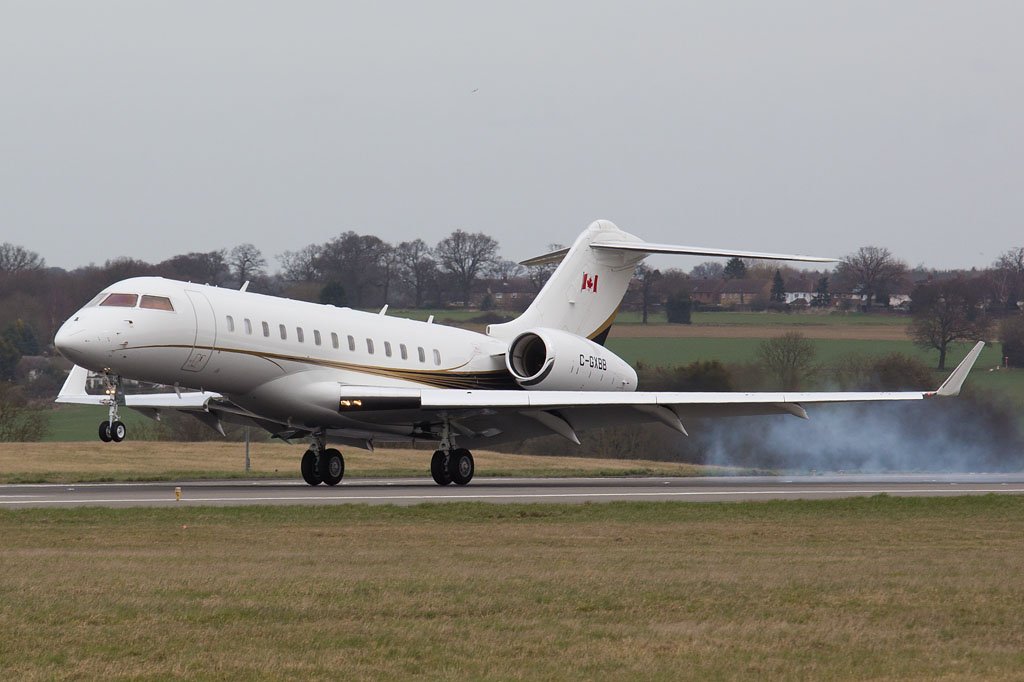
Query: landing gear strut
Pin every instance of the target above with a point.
(451, 464)
(321, 464)
(113, 429)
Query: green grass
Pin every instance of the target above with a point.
(848, 589)
(81, 422)
(829, 319)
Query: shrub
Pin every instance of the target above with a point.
(1011, 333)
(789, 357)
(678, 309)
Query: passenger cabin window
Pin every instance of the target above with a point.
(156, 303)
(334, 339)
(351, 343)
(231, 324)
(437, 357)
(402, 349)
(121, 300)
(284, 332)
(369, 346)
(248, 326)
(387, 348)
(266, 329)
(316, 336)
(299, 335)
(422, 353)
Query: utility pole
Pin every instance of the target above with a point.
(247, 462)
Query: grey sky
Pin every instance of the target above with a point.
(153, 128)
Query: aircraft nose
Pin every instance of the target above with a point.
(72, 343)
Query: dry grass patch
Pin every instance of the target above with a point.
(150, 460)
(854, 589)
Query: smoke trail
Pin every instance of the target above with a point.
(962, 435)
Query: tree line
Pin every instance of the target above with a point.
(365, 271)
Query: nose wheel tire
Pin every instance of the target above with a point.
(332, 466)
(118, 431)
(461, 466)
(310, 474)
(439, 468)
(105, 434)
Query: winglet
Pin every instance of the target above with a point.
(951, 386)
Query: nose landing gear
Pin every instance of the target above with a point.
(113, 429)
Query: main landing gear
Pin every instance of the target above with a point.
(321, 464)
(113, 429)
(451, 464)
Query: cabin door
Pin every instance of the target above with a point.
(206, 332)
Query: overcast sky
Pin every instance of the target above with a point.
(147, 129)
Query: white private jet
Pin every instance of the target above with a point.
(335, 375)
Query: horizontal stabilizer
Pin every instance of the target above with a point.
(547, 258)
(649, 247)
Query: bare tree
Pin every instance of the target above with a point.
(1008, 277)
(871, 271)
(204, 268)
(465, 255)
(946, 312)
(356, 261)
(646, 276)
(506, 269)
(540, 274)
(417, 268)
(247, 262)
(388, 262)
(708, 270)
(15, 258)
(789, 357)
(301, 265)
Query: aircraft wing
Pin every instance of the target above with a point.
(721, 402)
(482, 414)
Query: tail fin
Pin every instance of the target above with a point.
(585, 291)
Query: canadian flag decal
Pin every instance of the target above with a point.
(589, 283)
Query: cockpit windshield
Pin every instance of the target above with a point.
(131, 300)
(156, 303)
(120, 300)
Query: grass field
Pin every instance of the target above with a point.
(681, 351)
(852, 589)
(162, 461)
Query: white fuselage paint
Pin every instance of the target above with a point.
(197, 345)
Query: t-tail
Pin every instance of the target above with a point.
(584, 293)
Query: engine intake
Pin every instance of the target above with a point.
(556, 360)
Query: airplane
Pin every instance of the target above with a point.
(339, 376)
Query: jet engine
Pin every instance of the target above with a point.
(556, 360)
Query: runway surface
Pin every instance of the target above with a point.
(504, 490)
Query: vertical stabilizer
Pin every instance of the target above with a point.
(585, 291)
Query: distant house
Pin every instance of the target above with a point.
(510, 294)
(729, 292)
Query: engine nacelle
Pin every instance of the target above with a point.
(556, 360)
